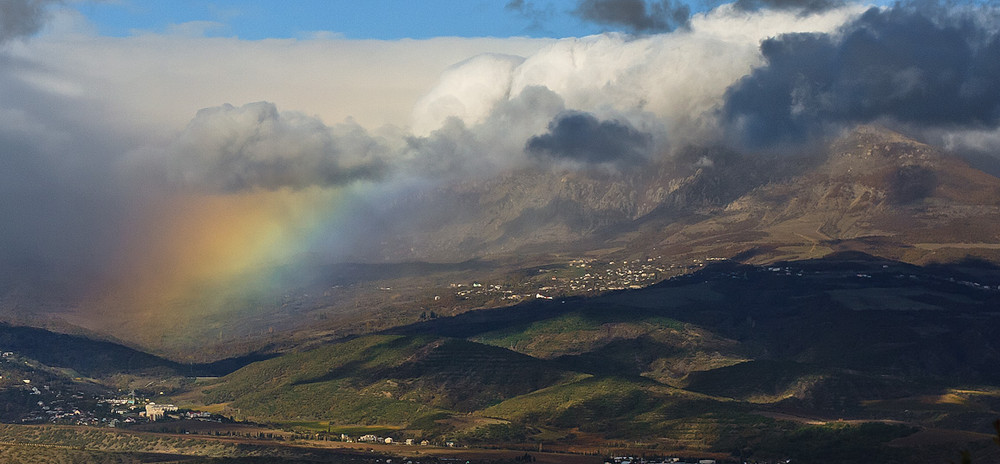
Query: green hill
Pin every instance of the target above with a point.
(387, 379)
(733, 358)
(99, 358)
(613, 407)
(693, 360)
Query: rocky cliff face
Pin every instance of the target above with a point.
(555, 210)
(878, 183)
(869, 183)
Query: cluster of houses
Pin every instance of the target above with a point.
(617, 275)
(132, 408)
(59, 411)
(151, 411)
(635, 460)
(370, 438)
(45, 403)
(478, 288)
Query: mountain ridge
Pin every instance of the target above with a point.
(688, 363)
(870, 190)
(694, 360)
(866, 183)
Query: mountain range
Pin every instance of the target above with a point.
(871, 190)
(753, 305)
(871, 184)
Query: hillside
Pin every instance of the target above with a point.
(383, 380)
(804, 311)
(548, 209)
(90, 358)
(869, 183)
(685, 363)
(871, 190)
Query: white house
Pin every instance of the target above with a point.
(155, 411)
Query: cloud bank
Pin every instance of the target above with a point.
(636, 15)
(668, 85)
(230, 149)
(22, 18)
(805, 6)
(582, 137)
(900, 65)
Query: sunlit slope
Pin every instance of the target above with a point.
(824, 336)
(849, 335)
(616, 407)
(383, 379)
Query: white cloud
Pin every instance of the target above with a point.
(468, 91)
(975, 140)
(254, 146)
(678, 79)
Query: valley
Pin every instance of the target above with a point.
(716, 362)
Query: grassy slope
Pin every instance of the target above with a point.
(386, 379)
(808, 340)
(608, 405)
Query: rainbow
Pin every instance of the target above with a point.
(190, 259)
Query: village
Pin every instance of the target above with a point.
(581, 276)
(641, 460)
(34, 395)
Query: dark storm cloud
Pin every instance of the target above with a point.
(805, 6)
(535, 14)
(580, 136)
(520, 6)
(60, 199)
(635, 15)
(230, 149)
(915, 67)
(21, 18)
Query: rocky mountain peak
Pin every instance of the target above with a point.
(874, 147)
